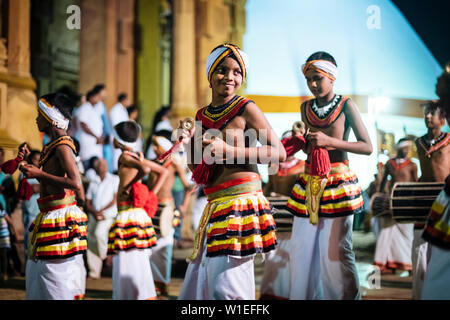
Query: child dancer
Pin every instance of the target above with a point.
(434, 151)
(132, 234)
(437, 229)
(237, 223)
(55, 268)
(322, 258)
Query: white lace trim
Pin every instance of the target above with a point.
(325, 110)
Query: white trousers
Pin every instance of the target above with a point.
(219, 278)
(322, 260)
(161, 258)
(132, 276)
(61, 279)
(420, 256)
(97, 243)
(275, 281)
(436, 285)
(197, 210)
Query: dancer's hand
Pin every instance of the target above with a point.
(217, 147)
(99, 216)
(318, 139)
(24, 152)
(108, 261)
(31, 171)
(184, 134)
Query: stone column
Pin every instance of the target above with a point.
(92, 45)
(184, 93)
(217, 22)
(107, 47)
(19, 38)
(18, 101)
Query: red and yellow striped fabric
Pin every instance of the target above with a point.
(239, 218)
(341, 196)
(59, 231)
(48, 149)
(437, 228)
(132, 229)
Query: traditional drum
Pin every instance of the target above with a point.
(411, 202)
(380, 204)
(283, 218)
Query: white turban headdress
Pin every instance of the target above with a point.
(52, 114)
(218, 54)
(325, 67)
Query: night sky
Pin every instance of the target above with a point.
(431, 20)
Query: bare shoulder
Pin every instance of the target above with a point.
(125, 158)
(253, 114)
(64, 151)
(351, 106)
(252, 108)
(447, 147)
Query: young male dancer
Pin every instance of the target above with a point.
(322, 258)
(132, 234)
(237, 223)
(437, 228)
(434, 151)
(55, 268)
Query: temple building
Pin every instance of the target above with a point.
(155, 51)
(152, 50)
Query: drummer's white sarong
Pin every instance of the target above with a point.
(132, 276)
(394, 245)
(322, 260)
(60, 279)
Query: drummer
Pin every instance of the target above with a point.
(434, 151)
(393, 250)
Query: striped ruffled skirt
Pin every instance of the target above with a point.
(132, 229)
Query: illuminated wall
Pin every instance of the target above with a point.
(380, 58)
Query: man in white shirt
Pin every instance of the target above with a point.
(101, 203)
(107, 144)
(118, 114)
(91, 129)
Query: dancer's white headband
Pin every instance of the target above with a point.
(131, 145)
(52, 114)
(325, 67)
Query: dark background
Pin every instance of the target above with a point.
(431, 20)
